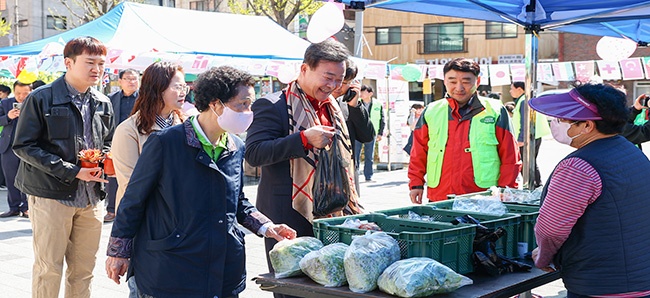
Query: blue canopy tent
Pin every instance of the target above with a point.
(619, 18)
(138, 28)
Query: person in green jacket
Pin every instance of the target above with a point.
(518, 91)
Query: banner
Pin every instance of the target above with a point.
(394, 96)
(545, 72)
(518, 72)
(632, 69)
(499, 74)
(563, 71)
(584, 70)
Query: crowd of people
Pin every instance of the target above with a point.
(177, 193)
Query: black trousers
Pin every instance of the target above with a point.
(538, 176)
(111, 188)
(17, 200)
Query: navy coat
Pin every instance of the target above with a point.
(179, 213)
(7, 134)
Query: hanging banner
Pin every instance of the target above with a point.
(584, 70)
(499, 74)
(394, 94)
(545, 72)
(518, 72)
(563, 71)
(632, 69)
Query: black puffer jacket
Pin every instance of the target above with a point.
(49, 134)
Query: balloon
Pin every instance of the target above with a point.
(615, 49)
(27, 77)
(326, 21)
(411, 73)
(286, 74)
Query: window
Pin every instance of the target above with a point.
(197, 5)
(495, 30)
(388, 35)
(447, 37)
(57, 22)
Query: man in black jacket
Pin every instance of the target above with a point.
(65, 200)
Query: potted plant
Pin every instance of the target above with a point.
(90, 158)
(109, 169)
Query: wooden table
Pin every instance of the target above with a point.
(506, 285)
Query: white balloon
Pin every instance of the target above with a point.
(615, 49)
(326, 21)
(286, 74)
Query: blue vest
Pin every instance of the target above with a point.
(607, 250)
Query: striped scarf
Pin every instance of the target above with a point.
(301, 117)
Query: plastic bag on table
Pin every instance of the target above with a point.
(331, 188)
(325, 266)
(420, 277)
(482, 204)
(523, 196)
(355, 223)
(286, 255)
(367, 258)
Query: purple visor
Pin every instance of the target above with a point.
(571, 106)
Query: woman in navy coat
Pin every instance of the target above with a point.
(176, 225)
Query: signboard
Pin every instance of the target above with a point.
(394, 94)
(511, 59)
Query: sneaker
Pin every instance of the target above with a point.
(110, 216)
(2, 187)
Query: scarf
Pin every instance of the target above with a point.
(301, 117)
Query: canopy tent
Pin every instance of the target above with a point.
(620, 18)
(138, 28)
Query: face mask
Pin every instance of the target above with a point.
(234, 122)
(560, 131)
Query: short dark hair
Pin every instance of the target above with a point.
(366, 88)
(219, 83)
(611, 104)
(21, 84)
(328, 50)
(417, 106)
(518, 84)
(38, 83)
(128, 70)
(5, 89)
(462, 65)
(84, 44)
(351, 70)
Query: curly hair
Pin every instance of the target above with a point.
(611, 104)
(219, 83)
(155, 81)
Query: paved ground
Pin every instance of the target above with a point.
(389, 191)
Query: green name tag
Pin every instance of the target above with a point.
(489, 120)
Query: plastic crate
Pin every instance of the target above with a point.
(506, 245)
(446, 243)
(526, 229)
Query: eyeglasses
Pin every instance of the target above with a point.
(180, 88)
(130, 79)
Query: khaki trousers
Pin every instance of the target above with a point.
(62, 232)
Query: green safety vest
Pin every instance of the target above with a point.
(482, 139)
(541, 122)
(375, 115)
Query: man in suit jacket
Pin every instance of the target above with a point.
(8, 118)
(123, 101)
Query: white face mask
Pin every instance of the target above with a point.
(560, 131)
(234, 122)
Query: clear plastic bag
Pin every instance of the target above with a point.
(325, 266)
(420, 277)
(331, 188)
(522, 196)
(286, 255)
(482, 204)
(367, 258)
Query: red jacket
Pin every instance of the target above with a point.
(457, 171)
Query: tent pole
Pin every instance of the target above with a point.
(528, 157)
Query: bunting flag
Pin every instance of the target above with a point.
(609, 70)
(563, 71)
(545, 72)
(632, 69)
(584, 70)
(518, 72)
(499, 74)
(484, 75)
(646, 64)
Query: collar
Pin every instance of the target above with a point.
(74, 92)
(317, 104)
(203, 138)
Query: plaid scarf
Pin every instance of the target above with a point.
(301, 117)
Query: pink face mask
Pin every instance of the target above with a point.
(560, 131)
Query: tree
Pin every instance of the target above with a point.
(5, 27)
(87, 10)
(281, 11)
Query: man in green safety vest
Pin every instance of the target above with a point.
(462, 143)
(518, 92)
(376, 112)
